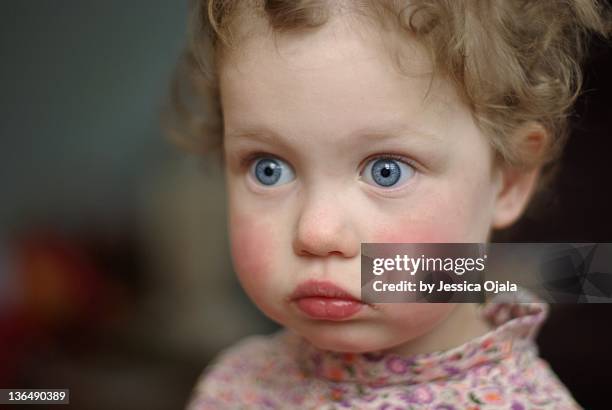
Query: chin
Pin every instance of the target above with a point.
(342, 337)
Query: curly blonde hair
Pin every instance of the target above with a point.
(513, 62)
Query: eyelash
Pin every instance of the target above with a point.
(396, 157)
(247, 160)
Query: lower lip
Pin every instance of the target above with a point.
(329, 308)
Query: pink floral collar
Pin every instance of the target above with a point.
(516, 325)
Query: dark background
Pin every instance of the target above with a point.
(576, 339)
(115, 279)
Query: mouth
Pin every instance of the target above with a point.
(325, 301)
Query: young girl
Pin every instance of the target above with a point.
(344, 122)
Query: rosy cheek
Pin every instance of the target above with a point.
(411, 232)
(406, 236)
(253, 245)
(250, 247)
(438, 217)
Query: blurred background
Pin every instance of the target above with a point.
(115, 275)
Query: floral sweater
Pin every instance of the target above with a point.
(498, 370)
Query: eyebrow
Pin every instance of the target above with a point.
(364, 134)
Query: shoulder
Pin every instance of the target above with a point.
(528, 381)
(547, 387)
(239, 374)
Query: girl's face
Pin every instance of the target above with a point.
(327, 146)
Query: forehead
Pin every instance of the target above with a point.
(329, 81)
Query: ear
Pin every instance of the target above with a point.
(518, 184)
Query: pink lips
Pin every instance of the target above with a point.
(324, 300)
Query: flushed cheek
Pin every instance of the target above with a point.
(252, 245)
(410, 231)
(433, 220)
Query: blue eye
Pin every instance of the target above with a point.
(387, 172)
(272, 171)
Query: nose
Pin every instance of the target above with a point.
(324, 228)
